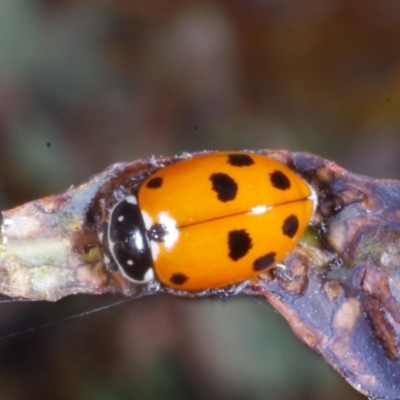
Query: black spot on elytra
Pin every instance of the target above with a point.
(239, 243)
(290, 226)
(225, 186)
(154, 183)
(157, 233)
(279, 180)
(264, 262)
(240, 160)
(178, 279)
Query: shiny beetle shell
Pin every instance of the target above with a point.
(209, 221)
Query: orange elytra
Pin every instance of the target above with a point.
(209, 221)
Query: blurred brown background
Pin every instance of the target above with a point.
(84, 84)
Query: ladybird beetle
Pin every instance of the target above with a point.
(209, 221)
